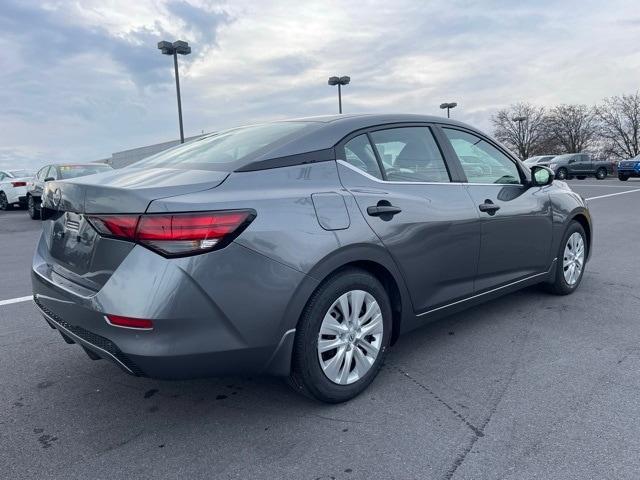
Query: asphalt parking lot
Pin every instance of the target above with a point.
(527, 386)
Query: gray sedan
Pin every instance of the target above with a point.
(299, 248)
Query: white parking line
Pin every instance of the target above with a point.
(15, 300)
(613, 194)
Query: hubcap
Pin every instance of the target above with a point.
(573, 261)
(350, 337)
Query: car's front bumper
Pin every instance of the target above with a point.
(209, 319)
(628, 172)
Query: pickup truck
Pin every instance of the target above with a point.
(579, 165)
(629, 168)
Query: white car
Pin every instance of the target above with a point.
(13, 188)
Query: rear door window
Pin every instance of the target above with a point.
(410, 154)
(359, 153)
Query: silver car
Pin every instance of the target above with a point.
(299, 248)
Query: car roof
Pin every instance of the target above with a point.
(331, 129)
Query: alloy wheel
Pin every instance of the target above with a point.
(350, 337)
(573, 260)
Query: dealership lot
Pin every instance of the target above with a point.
(527, 386)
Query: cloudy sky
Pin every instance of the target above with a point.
(82, 79)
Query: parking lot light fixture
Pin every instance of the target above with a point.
(339, 81)
(448, 106)
(179, 47)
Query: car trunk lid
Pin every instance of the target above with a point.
(76, 251)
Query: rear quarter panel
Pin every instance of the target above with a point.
(287, 229)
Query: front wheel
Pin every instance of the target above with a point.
(561, 174)
(601, 174)
(342, 337)
(571, 261)
(623, 178)
(34, 213)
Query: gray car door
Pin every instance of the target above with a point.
(405, 191)
(515, 218)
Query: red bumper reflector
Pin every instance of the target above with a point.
(139, 323)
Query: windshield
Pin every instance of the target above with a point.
(73, 171)
(21, 173)
(226, 150)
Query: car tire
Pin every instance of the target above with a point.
(623, 178)
(4, 203)
(320, 372)
(34, 213)
(564, 283)
(562, 174)
(601, 173)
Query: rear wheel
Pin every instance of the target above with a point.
(342, 337)
(34, 213)
(601, 174)
(4, 203)
(571, 260)
(561, 174)
(622, 178)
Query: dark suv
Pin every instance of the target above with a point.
(629, 168)
(579, 165)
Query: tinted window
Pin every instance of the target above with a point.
(226, 150)
(481, 161)
(73, 171)
(359, 153)
(410, 155)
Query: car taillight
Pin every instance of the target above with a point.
(128, 322)
(177, 234)
(19, 184)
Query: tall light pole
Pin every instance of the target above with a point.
(448, 106)
(519, 119)
(175, 48)
(339, 81)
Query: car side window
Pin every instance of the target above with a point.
(410, 154)
(481, 161)
(53, 173)
(359, 153)
(42, 173)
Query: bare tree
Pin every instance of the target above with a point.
(521, 127)
(619, 119)
(574, 127)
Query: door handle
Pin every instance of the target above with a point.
(382, 210)
(489, 207)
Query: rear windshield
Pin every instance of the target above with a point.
(227, 150)
(73, 171)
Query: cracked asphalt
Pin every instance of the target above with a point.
(527, 386)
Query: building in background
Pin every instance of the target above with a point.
(127, 157)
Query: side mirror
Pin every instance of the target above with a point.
(541, 176)
(48, 179)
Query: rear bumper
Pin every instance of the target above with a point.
(209, 319)
(17, 195)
